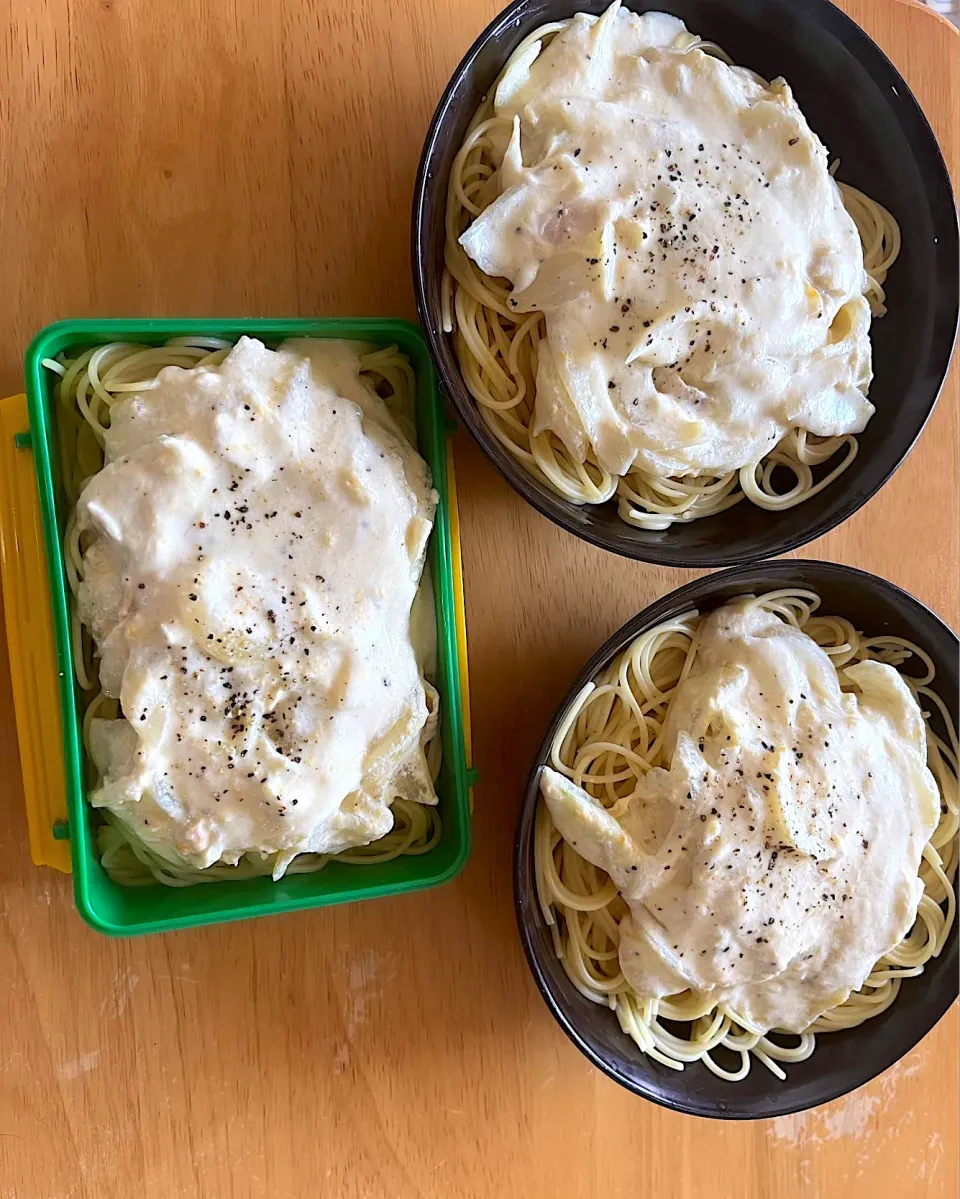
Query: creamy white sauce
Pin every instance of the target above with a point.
(675, 220)
(260, 535)
(775, 861)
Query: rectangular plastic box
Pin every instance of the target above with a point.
(117, 910)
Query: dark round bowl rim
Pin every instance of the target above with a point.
(553, 507)
(674, 602)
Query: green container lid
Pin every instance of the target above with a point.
(118, 910)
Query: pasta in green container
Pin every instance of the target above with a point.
(125, 883)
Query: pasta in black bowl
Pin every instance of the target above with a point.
(758, 977)
(657, 325)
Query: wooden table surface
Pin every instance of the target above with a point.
(257, 157)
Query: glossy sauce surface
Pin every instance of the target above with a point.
(775, 861)
(259, 537)
(675, 220)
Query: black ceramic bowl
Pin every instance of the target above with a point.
(864, 112)
(842, 1061)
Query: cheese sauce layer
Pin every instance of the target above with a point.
(259, 534)
(675, 220)
(775, 861)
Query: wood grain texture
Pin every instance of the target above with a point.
(257, 157)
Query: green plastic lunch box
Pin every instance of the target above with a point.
(61, 823)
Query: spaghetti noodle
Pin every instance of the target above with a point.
(88, 384)
(499, 350)
(613, 735)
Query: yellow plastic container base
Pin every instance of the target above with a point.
(30, 643)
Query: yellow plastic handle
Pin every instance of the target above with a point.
(460, 617)
(30, 642)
